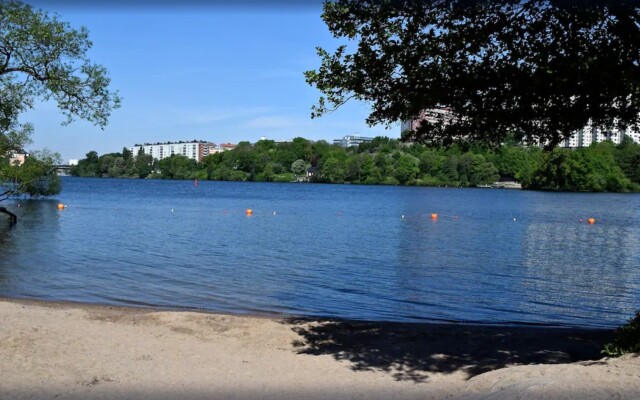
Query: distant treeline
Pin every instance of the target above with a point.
(600, 167)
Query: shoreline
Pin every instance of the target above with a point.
(70, 350)
(442, 186)
(307, 318)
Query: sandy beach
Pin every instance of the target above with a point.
(53, 350)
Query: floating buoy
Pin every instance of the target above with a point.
(60, 206)
(249, 211)
(172, 210)
(434, 216)
(514, 218)
(402, 216)
(274, 213)
(591, 221)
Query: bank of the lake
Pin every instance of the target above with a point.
(345, 251)
(75, 351)
(602, 167)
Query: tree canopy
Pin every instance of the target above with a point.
(44, 58)
(36, 177)
(600, 167)
(539, 69)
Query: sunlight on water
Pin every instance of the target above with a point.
(494, 256)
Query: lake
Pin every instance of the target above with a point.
(345, 251)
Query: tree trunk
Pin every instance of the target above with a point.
(12, 216)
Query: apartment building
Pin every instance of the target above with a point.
(587, 135)
(436, 115)
(17, 158)
(582, 138)
(352, 140)
(195, 150)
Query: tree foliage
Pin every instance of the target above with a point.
(116, 165)
(627, 339)
(591, 169)
(35, 178)
(600, 167)
(44, 58)
(541, 69)
(299, 167)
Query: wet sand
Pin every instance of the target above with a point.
(55, 350)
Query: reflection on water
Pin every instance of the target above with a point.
(331, 250)
(593, 272)
(34, 234)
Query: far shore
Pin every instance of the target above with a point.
(84, 351)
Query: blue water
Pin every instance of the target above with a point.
(493, 256)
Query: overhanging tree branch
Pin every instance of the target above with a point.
(12, 217)
(542, 68)
(44, 58)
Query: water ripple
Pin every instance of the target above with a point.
(340, 251)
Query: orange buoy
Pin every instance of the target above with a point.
(60, 206)
(249, 211)
(434, 216)
(591, 221)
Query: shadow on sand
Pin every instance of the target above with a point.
(414, 351)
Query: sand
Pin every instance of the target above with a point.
(77, 351)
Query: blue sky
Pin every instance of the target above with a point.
(224, 73)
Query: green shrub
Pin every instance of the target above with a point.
(372, 180)
(390, 180)
(627, 339)
(428, 180)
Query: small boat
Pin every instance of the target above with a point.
(484, 186)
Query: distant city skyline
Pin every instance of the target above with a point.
(220, 73)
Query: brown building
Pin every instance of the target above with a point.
(18, 158)
(436, 115)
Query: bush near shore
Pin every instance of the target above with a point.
(627, 339)
(598, 168)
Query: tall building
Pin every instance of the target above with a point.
(582, 138)
(195, 150)
(436, 115)
(587, 135)
(352, 140)
(226, 146)
(17, 158)
(634, 135)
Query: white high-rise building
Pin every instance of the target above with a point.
(587, 135)
(582, 138)
(634, 135)
(195, 150)
(352, 140)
